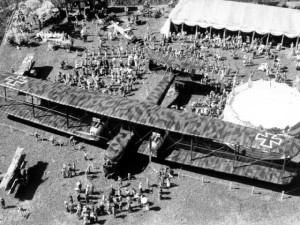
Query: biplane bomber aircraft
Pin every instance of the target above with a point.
(127, 33)
(150, 129)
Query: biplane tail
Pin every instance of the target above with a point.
(11, 173)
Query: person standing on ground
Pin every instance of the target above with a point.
(113, 210)
(148, 184)
(87, 198)
(78, 197)
(63, 171)
(140, 188)
(129, 176)
(66, 206)
(72, 141)
(2, 202)
(36, 135)
(120, 182)
(73, 169)
(69, 171)
(160, 193)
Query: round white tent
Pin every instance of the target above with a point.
(263, 103)
(235, 16)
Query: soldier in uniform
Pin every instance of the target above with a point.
(120, 182)
(127, 193)
(73, 169)
(72, 141)
(140, 188)
(78, 197)
(87, 171)
(92, 188)
(129, 206)
(87, 198)
(52, 140)
(112, 191)
(108, 205)
(2, 202)
(78, 186)
(36, 135)
(93, 217)
(63, 171)
(69, 170)
(129, 176)
(78, 210)
(160, 193)
(66, 206)
(71, 199)
(113, 210)
(24, 175)
(120, 203)
(148, 183)
(101, 209)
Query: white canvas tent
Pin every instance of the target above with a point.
(235, 16)
(263, 103)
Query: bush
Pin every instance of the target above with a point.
(14, 36)
(33, 4)
(44, 10)
(10, 37)
(19, 39)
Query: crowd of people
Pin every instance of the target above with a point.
(204, 51)
(115, 69)
(213, 105)
(111, 70)
(120, 197)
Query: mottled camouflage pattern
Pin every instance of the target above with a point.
(118, 145)
(230, 166)
(52, 120)
(172, 62)
(295, 130)
(152, 115)
(156, 96)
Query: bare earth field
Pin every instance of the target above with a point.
(188, 201)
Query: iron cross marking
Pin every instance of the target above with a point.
(13, 80)
(268, 140)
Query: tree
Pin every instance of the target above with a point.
(45, 9)
(59, 3)
(33, 4)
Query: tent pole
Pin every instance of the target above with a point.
(297, 42)
(268, 39)
(5, 94)
(239, 33)
(67, 114)
(32, 106)
(196, 30)
(282, 39)
(182, 28)
(253, 36)
(224, 34)
(284, 162)
(209, 32)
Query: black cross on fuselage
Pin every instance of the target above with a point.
(13, 80)
(268, 140)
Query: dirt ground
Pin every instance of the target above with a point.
(188, 201)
